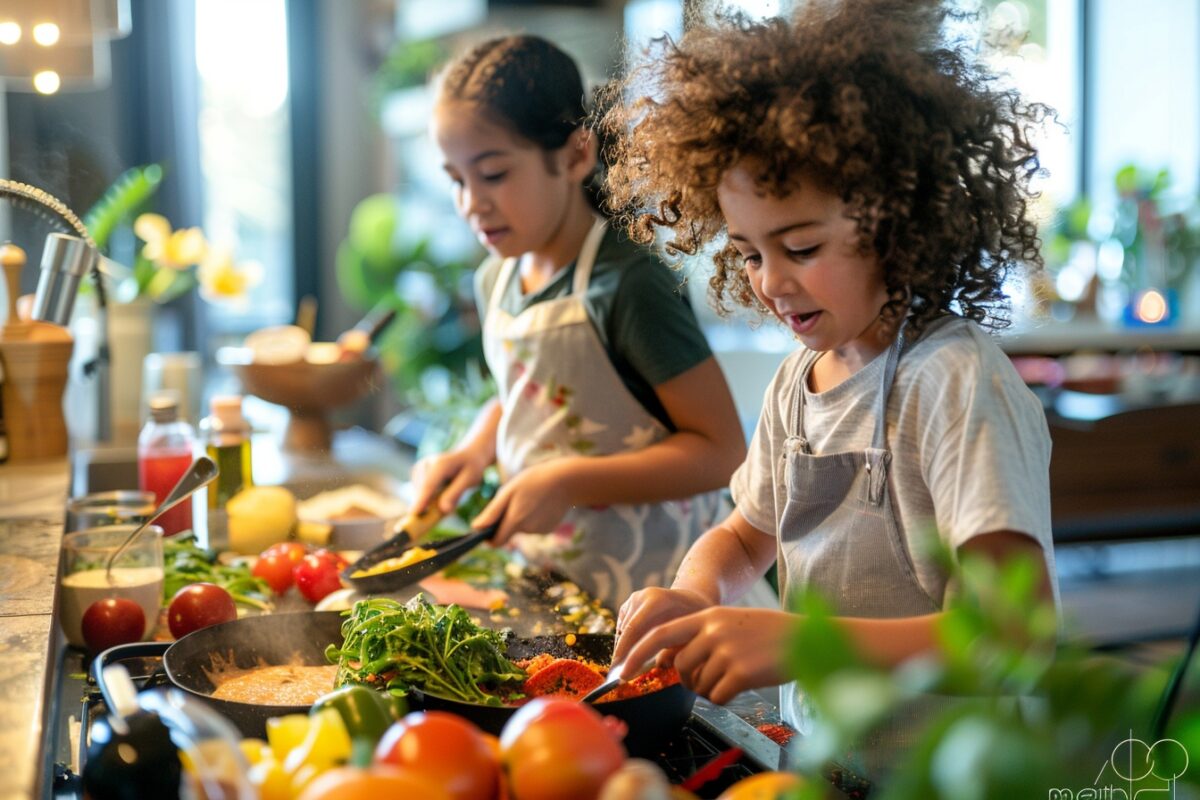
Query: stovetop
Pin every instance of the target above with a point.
(710, 731)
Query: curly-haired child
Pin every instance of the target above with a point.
(865, 183)
(614, 428)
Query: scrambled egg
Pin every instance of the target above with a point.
(411, 556)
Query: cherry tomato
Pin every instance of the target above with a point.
(294, 551)
(112, 621)
(275, 568)
(556, 748)
(197, 606)
(444, 748)
(317, 574)
(349, 783)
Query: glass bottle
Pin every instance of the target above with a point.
(164, 454)
(226, 435)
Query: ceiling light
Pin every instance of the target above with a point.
(75, 66)
(46, 81)
(10, 32)
(46, 34)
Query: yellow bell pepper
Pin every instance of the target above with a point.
(327, 743)
(286, 733)
(271, 780)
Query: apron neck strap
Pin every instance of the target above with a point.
(503, 277)
(879, 437)
(583, 265)
(587, 256)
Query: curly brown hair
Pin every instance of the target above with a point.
(932, 157)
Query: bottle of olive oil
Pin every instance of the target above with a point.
(226, 437)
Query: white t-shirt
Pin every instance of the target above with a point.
(969, 441)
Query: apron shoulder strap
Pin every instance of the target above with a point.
(587, 256)
(879, 439)
(503, 277)
(794, 423)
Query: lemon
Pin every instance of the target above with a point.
(259, 517)
(314, 533)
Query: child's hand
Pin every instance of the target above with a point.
(533, 501)
(649, 608)
(458, 469)
(721, 651)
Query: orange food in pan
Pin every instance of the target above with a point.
(569, 677)
(653, 680)
(562, 676)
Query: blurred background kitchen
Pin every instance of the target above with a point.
(291, 135)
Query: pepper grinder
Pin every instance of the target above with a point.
(35, 356)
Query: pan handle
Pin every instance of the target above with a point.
(119, 653)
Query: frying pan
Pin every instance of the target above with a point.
(652, 718)
(271, 640)
(278, 639)
(447, 551)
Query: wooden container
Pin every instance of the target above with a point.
(35, 356)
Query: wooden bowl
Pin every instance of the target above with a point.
(310, 392)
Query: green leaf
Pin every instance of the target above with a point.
(372, 227)
(127, 195)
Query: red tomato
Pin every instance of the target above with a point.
(317, 574)
(275, 568)
(555, 748)
(444, 748)
(113, 621)
(293, 550)
(197, 606)
(350, 783)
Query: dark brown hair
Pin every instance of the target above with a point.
(527, 85)
(931, 156)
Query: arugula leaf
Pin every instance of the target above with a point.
(184, 563)
(423, 646)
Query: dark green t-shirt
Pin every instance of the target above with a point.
(637, 305)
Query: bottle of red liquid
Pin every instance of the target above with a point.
(165, 448)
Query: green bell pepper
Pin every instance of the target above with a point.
(366, 712)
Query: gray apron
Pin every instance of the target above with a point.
(561, 396)
(839, 536)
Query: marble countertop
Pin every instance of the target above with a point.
(32, 500)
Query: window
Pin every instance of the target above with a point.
(1144, 80)
(1035, 46)
(241, 57)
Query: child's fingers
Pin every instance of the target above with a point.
(666, 657)
(491, 512)
(428, 476)
(448, 501)
(423, 488)
(669, 636)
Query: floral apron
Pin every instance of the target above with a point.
(839, 536)
(561, 396)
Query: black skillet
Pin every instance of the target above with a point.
(270, 640)
(653, 719)
(278, 639)
(447, 551)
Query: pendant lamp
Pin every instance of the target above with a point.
(52, 45)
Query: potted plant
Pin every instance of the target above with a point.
(1087, 725)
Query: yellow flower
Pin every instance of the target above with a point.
(222, 280)
(176, 250)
